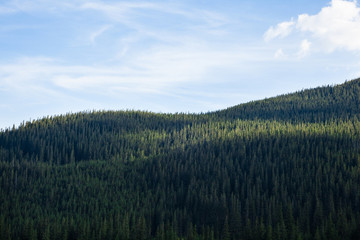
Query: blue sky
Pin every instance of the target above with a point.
(168, 56)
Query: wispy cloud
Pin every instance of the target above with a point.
(281, 30)
(117, 10)
(156, 69)
(98, 32)
(279, 54)
(128, 13)
(6, 10)
(304, 48)
(151, 48)
(16, 6)
(113, 8)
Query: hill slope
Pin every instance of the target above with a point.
(312, 105)
(254, 171)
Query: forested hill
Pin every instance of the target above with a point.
(281, 168)
(312, 105)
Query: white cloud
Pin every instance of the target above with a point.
(336, 26)
(281, 30)
(304, 48)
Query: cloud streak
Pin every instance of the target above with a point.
(156, 69)
(126, 13)
(98, 33)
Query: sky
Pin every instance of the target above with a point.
(192, 56)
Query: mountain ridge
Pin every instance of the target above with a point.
(296, 104)
(338, 101)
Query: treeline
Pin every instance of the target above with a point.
(139, 175)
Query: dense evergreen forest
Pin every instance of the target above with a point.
(287, 167)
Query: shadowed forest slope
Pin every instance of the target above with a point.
(282, 168)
